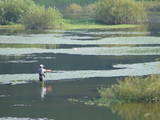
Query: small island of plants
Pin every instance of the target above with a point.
(132, 89)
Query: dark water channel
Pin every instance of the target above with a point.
(83, 60)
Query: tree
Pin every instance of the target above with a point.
(89, 10)
(73, 11)
(12, 10)
(120, 12)
(41, 18)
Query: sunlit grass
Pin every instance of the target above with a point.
(92, 24)
(79, 24)
(45, 46)
(98, 26)
(14, 26)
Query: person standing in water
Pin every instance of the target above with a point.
(42, 71)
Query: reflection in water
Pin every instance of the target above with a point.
(45, 89)
(138, 111)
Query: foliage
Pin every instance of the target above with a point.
(120, 12)
(152, 6)
(40, 18)
(73, 11)
(134, 89)
(12, 10)
(61, 4)
(89, 11)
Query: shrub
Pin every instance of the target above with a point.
(40, 18)
(120, 12)
(134, 89)
(12, 10)
(73, 11)
(89, 11)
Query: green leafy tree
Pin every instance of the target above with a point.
(120, 12)
(41, 18)
(73, 11)
(89, 10)
(12, 10)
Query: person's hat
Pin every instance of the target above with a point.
(41, 65)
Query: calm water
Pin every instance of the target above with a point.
(83, 60)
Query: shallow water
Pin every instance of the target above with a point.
(82, 60)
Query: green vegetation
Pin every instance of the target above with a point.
(29, 14)
(46, 46)
(14, 26)
(80, 12)
(73, 11)
(152, 5)
(132, 89)
(41, 18)
(120, 12)
(91, 24)
(12, 10)
(61, 4)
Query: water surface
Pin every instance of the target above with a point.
(82, 60)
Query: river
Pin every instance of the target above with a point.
(82, 60)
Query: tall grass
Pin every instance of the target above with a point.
(133, 89)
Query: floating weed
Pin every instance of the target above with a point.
(73, 100)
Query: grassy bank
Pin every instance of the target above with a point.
(132, 89)
(14, 26)
(78, 24)
(91, 24)
(98, 26)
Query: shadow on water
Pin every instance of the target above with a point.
(154, 29)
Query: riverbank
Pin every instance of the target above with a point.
(82, 25)
(99, 26)
(14, 26)
(91, 24)
(132, 89)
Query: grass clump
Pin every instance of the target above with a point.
(133, 89)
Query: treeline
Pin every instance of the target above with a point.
(29, 14)
(38, 16)
(61, 4)
(65, 3)
(109, 12)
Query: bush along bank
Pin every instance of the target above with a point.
(132, 89)
(30, 15)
